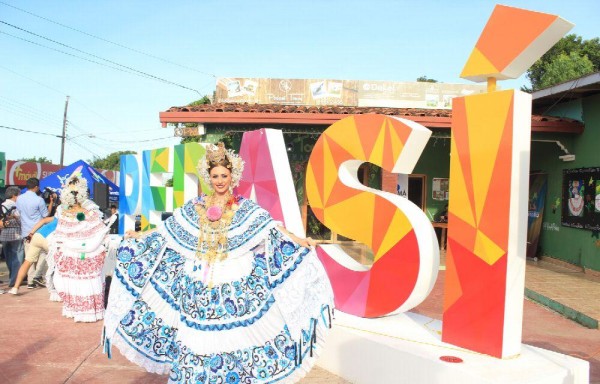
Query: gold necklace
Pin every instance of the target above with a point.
(215, 216)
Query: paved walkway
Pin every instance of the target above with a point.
(542, 326)
(38, 345)
(566, 290)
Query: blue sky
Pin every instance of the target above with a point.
(358, 40)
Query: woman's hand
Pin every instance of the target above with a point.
(131, 234)
(308, 242)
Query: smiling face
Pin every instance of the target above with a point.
(220, 179)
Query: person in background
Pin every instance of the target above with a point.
(77, 253)
(51, 200)
(32, 209)
(10, 234)
(38, 243)
(113, 220)
(443, 215)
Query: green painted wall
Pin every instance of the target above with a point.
(435, 162)
(576, 246)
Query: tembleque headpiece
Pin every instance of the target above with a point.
(218, 155)
(75, 190)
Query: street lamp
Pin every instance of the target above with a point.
(65, 138)
(90, 135)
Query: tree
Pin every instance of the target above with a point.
(204, 100)
(195, 139)
(566, 45)
(425, 79)
(564, 68)
(110, 162)
(190, 139)
(41, 159)
(227, 140)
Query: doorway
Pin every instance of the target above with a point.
(417, 190)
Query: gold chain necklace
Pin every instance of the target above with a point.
(215, 216)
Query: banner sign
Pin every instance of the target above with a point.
(17, 172)
(358, 93)
(402, 185)
(440, 188)
(581, 192)
(538, 186)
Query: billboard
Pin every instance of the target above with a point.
(17, 172)
(358, 93)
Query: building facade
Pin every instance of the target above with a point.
(571, 163)
(302, 125)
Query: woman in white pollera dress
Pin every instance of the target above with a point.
(77, 252)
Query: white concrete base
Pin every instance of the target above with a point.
(406, 348)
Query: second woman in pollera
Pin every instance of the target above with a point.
(77, 251)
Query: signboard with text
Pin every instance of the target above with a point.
(359, 93)
(17, 172)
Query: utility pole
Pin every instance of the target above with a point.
(64, 134)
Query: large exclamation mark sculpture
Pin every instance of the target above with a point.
(489, 168)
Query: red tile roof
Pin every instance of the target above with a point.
(243, 113)
(326, 109)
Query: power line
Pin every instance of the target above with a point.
(78, 128)
(62, 93)
(91, 136)
(108, 41)
(136, 141)
(126, 132)
(16, 109)
(30, 115)
(63, 52)
(132, 70)
(35, 81)
(28, 131)
(24, 106)
(26, 114)
(85, 148)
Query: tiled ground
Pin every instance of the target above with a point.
(38, 345)
(542, 327)
(566, 286)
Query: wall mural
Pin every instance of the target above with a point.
(581, 192)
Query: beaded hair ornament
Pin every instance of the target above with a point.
(218, 155)
(75, 190)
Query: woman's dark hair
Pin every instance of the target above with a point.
(223, 163)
